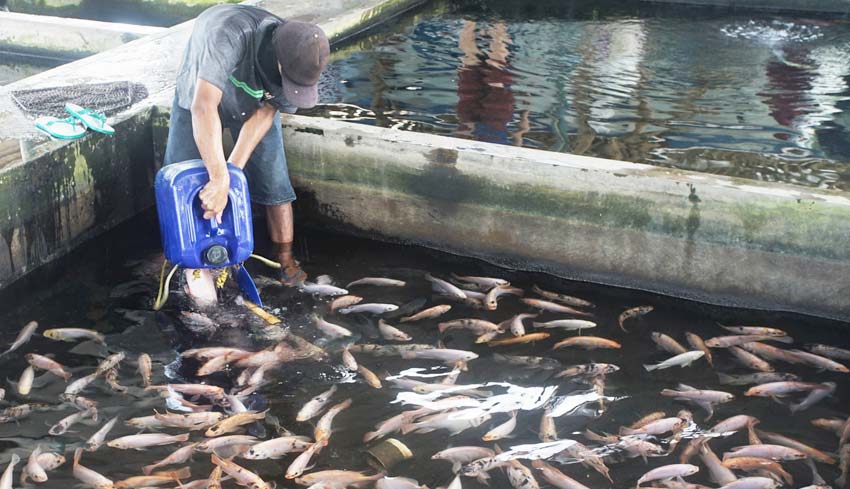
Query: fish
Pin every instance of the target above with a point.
(111, 379)
(62, 426)
(727, 341)
(398, 483)
(32, 470)
(554, 307)
(586, 457)
(757, 464)
(330, 329)
(378, 281)
(485, 283)
(503, 430)
(297, 467)
(587, 342)
(820, 362)
(733, 424)
(214, 351)
(387, 427)
(25, 381)
(322, 289)
(718, 472)
(233, 422)
(520, 476)
(87, 476)
(154, 479)
(834, 425)
(543, 363)
(50, 460)
(697, 343)
(9, 473)
(430, 313)
(241, 475)
(751, 483)
(74, 334)
(633, 313)
(548, 431)
(277, 447)
(771, 352)
(756, 378)
(491, 299)
(444, 287)
(453, 422)
(516, 340)
(844, 457)
(348, 359)
(773, 452)
(323, 427)
(137, 442)
(387, 350)
(567, 324)
(667, 343)
(372, 308)
(110, 362)
(750, 360)
(145, 423)
(514, 324)
(668, 472)
(809, 451)
(754, 330)
(588, 369)
(703, 398)
(562, 298)
(338, 478)
(391, 333)
(221, 442)
(829, 351)
(370, 377)
(778, 389)
(476, 326)
(638, 447)
(44, 363)
(179, 456)
(219, 363)
(682, 360)
(458, 456)
(144, 363)
(441, 354)
(555, 477)
(189, 421)
(315, 405)
(657, 427)
(23, 337)
(345, 301)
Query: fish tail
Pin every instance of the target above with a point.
(78, 453)
(725, 378)
(147, 469)
(650, 368)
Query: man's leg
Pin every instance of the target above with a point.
(268, 181)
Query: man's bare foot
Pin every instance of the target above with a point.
(290, 270)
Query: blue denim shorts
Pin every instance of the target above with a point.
(266, 171)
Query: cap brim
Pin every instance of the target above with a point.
(301, 96)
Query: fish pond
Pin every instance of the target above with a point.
(14, 66)
(109, 286)
(706, 89)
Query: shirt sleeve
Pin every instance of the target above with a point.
(219, 57)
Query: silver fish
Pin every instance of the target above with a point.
(391, 333)
(668, 472)
(440, 354)
(378, 281)
(445, 287)
(567, 324)
(459, 456)
(371, 308)
(756, 378)
(23, 336)
(96, 440)
(277, 447)
(315, 405)
(562, 298)
(751, 483)
(555, 477)
(138, 442)
(87, 476)
(330, 329)
(179, 456)
(322, 289)
(681, 360)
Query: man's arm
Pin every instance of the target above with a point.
(252, 132)
(206, 128)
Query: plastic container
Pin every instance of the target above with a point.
(387, 454)
(187, 238)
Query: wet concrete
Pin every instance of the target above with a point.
(56, 194)
(710, 238)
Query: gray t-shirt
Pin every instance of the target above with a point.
(230, 47)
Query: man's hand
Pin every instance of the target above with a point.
(214, 197)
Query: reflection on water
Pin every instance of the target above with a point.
(706, 90)
(113, 292)
(14, 67)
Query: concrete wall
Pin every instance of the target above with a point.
(710, 238)
(62, 37)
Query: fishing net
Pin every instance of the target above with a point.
(108, 98)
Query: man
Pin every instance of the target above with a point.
(241, 66)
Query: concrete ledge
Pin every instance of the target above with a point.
(62, 37)
(714, 239)
(160, 12)
(810, 6)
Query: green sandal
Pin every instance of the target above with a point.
(91, 119)
(61, 128)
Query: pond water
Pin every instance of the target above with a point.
(706, 89)
(14, 67)
(111, 288)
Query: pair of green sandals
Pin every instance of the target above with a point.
(74, 127)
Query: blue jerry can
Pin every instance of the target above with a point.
(187, 238)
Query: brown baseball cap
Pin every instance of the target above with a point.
(302, 50)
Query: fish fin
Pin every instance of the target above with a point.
(650, 368)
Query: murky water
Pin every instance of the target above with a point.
(112, 291)
(701, 89)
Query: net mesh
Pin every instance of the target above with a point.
(108, 98)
